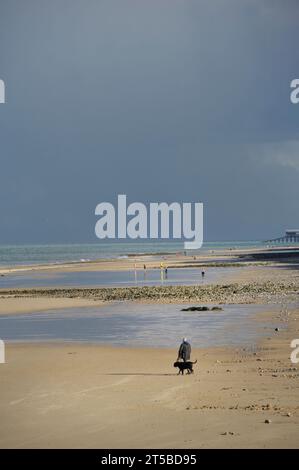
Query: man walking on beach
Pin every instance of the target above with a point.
(184, 351)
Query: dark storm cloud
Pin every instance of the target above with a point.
(163, 100)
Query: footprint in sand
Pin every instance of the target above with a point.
(167, 395)
(101, 387)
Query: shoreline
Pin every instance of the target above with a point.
(221, 257)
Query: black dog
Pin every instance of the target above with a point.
(188, 365)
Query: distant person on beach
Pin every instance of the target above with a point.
(203, 273)
(144, 267)
(184, 351)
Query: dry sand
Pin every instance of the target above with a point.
(70, 395)
(13, 305)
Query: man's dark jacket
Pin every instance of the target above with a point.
(185, 351)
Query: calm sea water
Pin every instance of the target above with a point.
(44, 254)
(131, 324)
(152, 277)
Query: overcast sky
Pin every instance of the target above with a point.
(162, 100)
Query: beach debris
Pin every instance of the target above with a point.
(268, 421)
(195, 309)
(261, 407)
(220, 294)
(276, 329)
(201, 309)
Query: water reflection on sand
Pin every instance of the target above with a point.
(134, 324)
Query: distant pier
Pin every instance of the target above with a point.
(291, 236)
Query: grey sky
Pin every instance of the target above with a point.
(163, 100)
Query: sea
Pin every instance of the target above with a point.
(13, 255)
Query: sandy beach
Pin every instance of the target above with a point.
(15, 305)
(76, 395)
(71, 395)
